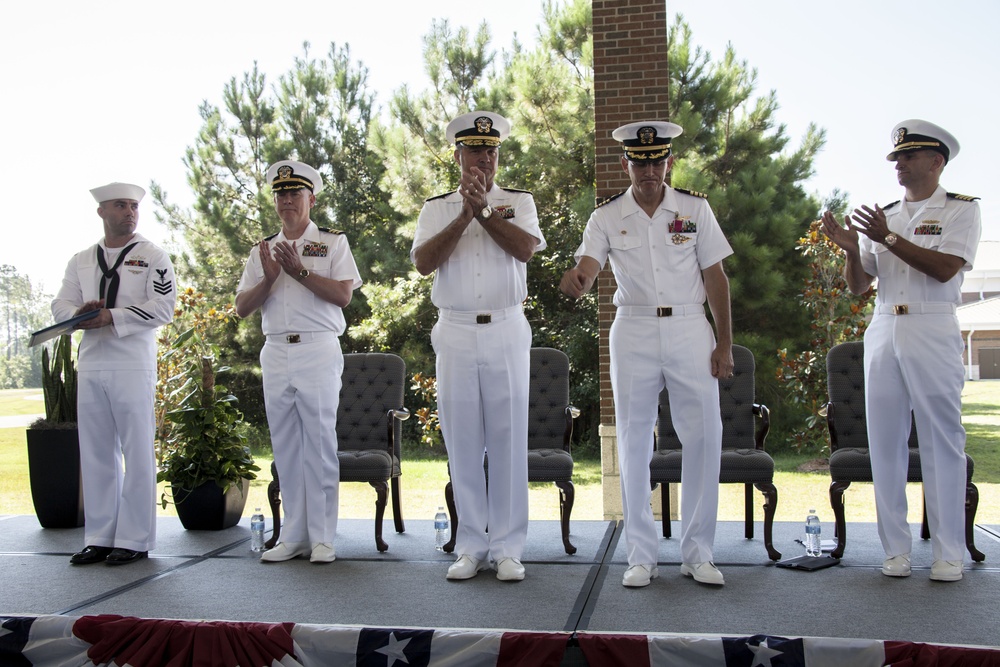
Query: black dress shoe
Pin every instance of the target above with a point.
(119, 556)
(90, 554)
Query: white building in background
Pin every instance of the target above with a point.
(979, 314)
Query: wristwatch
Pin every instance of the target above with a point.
(303, 274)
(890, 240)
(485, 214)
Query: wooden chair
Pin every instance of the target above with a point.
(744, 460)
(369, 425)
(850, 460)
(550, 430)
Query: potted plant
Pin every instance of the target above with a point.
(54, 444)
(206, 461)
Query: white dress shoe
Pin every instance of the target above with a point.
(285, 551)
(946, 570)
(638, 576)
(705, 572)
(323, 552)
(510, 569)
(897, 566)
(466, 567)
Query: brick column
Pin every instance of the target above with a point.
(631, 83)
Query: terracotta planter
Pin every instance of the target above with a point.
(54, 475)
(206, 508)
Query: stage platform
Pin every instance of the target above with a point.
(214, 576)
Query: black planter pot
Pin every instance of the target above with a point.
(207, 508)
(54, 475)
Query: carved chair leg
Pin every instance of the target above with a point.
(665, 508)
(397, 506)
(381, 496)
(274, 500)
(770, 507)
(840, 526)
(449, 498)
(748, 511)
(567, 496)
(971, 505)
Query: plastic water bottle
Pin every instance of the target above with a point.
(441, 532)
(257, 531)
(814, 545)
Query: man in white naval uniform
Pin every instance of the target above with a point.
(301, 278)
(478, 240)
(919, 249)
(666, 251)
(130, 282)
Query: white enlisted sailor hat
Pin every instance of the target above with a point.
(647, 140)
(478, 128)
(292, 175)
(916, 134)
(118, 191)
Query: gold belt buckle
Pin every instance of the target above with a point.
(484, 319)
(901, 310)
(293, 338)
(664, 311)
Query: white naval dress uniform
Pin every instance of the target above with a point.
(302, 365)
(658, 262)
(914, 362)
(482, 372)
(116, 389)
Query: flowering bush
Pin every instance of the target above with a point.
(836, 316)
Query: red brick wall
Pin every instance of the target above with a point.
(630, 84)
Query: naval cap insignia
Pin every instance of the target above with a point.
(284, 172)
(484, 124)
(899, 136)
(646, 135)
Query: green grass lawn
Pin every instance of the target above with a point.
(424, 479)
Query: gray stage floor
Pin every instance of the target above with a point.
(214, 576)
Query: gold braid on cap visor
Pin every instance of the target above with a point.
(910, 145)
(478, 141)
(291, 184)
(647, 153)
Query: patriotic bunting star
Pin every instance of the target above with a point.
(394, 650)
(763, 654)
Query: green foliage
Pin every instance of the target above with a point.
(24, 309)
(59, 382)
(425, 387)
(206, 442)
(836, 316)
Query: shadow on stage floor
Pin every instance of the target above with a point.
(214, 576)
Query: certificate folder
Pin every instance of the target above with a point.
(61, 328)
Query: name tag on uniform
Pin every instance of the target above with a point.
(928, 228)
(315, 249)
(682, 225)
(506, 212)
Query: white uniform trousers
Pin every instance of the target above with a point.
(914, 362)
(301, 393)
(648, 353)
(116, 424)
(482, 385)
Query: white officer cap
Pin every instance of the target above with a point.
(118, 191)
(478, 128)
(916, 134)
(292, 175)
(647, 140)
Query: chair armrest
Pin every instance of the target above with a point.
(829, 409)
(402, 414)
(571, 412)
(762, 411)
